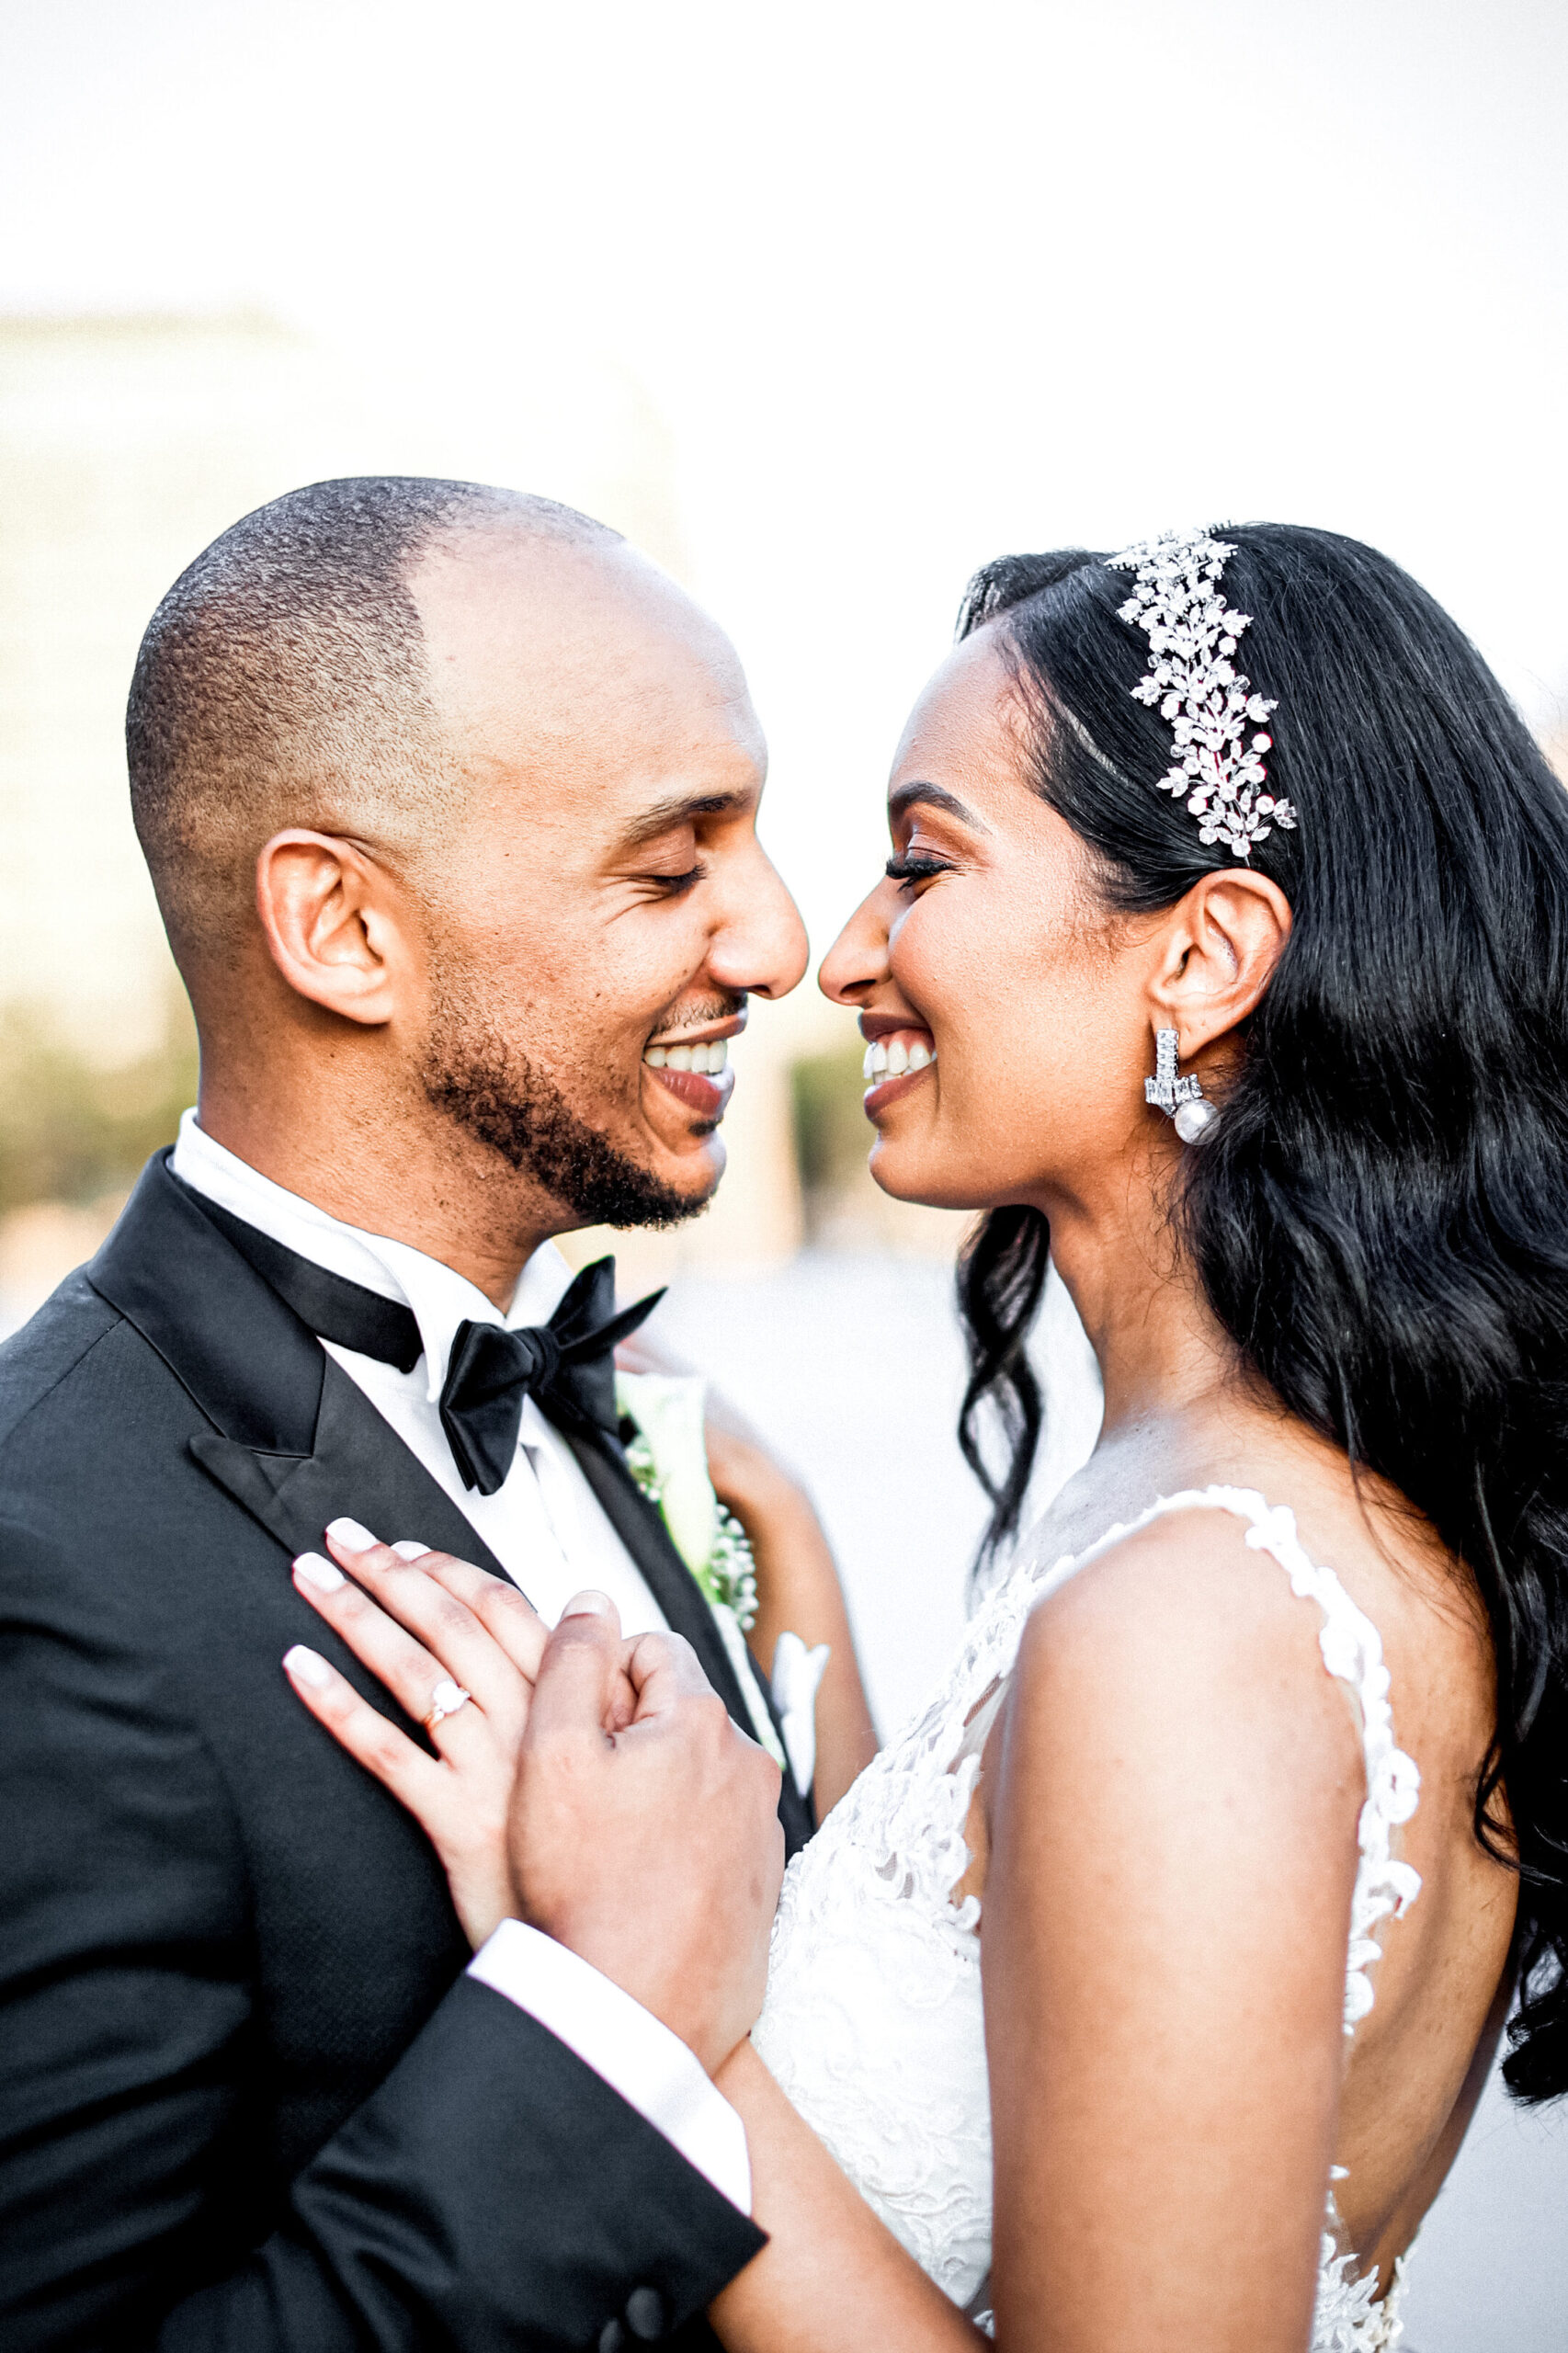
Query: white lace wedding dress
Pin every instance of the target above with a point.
(872, 2023)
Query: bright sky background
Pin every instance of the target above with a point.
(911, 285)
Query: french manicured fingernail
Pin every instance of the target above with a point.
(308, 1666)
(589, 1604)
(325, 1575)
(407, 1548)
(351, 1536)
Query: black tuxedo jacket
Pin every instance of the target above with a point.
(248, 2098)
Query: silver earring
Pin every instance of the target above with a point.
(1182, 1099)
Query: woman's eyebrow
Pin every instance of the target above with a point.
(936, 796)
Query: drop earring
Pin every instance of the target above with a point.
(1182, 1099)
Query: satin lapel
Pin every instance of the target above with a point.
(289, 1436)
(671, 1582)
(245, 1359)
(359, 1468)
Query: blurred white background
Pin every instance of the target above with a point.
(825, 306)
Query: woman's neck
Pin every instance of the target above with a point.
(1160, 1347)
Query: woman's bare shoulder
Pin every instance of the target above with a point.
(1193, 1575)
(1181, 1654)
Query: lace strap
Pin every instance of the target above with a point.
(1353, 1652)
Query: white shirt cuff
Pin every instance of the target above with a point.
(635, 2052)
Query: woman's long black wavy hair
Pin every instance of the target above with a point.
(1379, 1217)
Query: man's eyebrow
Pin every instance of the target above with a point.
(665, 815)
(936, 796)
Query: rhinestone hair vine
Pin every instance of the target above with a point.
(1192, 636)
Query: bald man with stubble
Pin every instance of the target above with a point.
(450, 800)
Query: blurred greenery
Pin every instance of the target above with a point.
(831, 1136)
(72, 1132)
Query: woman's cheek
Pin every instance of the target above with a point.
(930, 960)
(898, 929)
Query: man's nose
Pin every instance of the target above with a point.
(762, 948)
(858, 957)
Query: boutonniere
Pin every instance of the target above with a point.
(666, 1453)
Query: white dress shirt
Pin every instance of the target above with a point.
(547, 1528)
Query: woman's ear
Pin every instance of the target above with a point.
(1217, 951)
(328, 909)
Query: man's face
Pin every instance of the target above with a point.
(605, 908)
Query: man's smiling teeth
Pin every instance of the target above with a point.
(708, 1060)
(890, 1058)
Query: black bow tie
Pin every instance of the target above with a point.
(567, 1365)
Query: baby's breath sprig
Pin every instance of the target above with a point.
(731, 1573)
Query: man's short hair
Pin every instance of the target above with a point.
(282, 681)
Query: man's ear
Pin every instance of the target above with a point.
(1217, 951)
(327, 909)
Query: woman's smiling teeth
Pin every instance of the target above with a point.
(708, 1060)
(893, 1057)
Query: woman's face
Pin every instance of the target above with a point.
(987, 948)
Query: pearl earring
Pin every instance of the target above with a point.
(1182, 1099)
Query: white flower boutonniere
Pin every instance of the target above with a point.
(668, 1458)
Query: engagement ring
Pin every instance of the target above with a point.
(445, 1701)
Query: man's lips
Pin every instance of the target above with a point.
(709, 1096)
(707, 1089)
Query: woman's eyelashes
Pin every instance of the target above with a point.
(915, 866)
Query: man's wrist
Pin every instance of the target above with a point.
(610, 1941)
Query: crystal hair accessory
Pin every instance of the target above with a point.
(1192, 635)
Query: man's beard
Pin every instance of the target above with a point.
(495, 1094)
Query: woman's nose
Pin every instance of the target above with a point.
(858, 957)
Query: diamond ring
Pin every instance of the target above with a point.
(445, 1701)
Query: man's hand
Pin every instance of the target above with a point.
(653, 1851)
